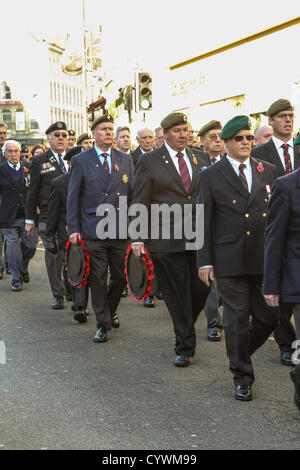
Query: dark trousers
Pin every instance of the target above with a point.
(106, 297)
(184, 295)
(284, 334)
(54, 266)
(211, 309)
(247, 321)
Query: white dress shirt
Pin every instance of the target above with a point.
(247, 171)
(278, 144)
(62, 156)
(173, 154)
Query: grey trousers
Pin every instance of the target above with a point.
(54, 266)
(211, 310)
(20, 248)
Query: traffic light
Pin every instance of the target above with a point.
(144, 91)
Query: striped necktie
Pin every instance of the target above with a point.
(105, 164)
(61, 164)
(287, 158)
(242, 175)
(184, 171)
(213, 160)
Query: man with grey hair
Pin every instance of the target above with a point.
(123, 140)
(159, 137)
(145, 138)
(262, 135)
(20, 246)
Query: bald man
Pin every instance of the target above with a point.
(262, 135)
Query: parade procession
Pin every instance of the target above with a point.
(185, 216)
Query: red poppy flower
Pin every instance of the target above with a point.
(260, 168)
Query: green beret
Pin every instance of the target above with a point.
(104, 118)
(297, 140)
(209, 126)
(173, 119)
(234, 126)
(74, 151)
(278, 106)
(83, 137)
(71, 133)
(57, 126)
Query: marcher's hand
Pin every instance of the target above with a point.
(206, 275)
(272, 300)
(75, 237)
(138, 249)
(29, 229)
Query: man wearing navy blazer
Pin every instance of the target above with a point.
(20, 247)
(285, 155)
(99, 178)
(282, 251)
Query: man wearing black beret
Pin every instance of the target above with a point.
(71, 139)
(44, 168)
(99, 178)
(282, 152)
(168, 176)
(235, 194)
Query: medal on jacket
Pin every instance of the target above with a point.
(268, 190)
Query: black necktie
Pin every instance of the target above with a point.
(242, 175)
(61, 164)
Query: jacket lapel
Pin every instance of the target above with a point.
(115, 167)
(296, 156)
(168, 163)
(230, 175)
(257, 177)
(97, 166)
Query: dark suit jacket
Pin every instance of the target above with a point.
(11, 197)
(157, 181)
(136, 156)
(90, 188)
(203, 157)
(234, 221)
(282, 247)
(268, 153)
(2, 157)
(57, 210)
(44, 168)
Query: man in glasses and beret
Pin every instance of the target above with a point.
(235, 193)
(44, 168)
(168, 176)
(99, 178)
(282, 152)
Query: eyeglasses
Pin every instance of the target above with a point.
(214, 137)
(62, 134)
(239, 138)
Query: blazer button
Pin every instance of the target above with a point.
(106, 195)
(234, 201)
(246, 215)
(118, 194)
(189, 197)
(248, 233)
(264, 214)
(266, 200)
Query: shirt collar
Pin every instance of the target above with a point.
(236, 163)
(17, 166)
(56, 154)
(278, 142)
(173, 152)
(100, 152)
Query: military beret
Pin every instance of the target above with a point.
(297, 140)
(278, 106)
(173, 119)
(104, 118)
(72, 133)
(234, 126)
(57, 126)
(209, 126)
(74, 151)
(83, 137)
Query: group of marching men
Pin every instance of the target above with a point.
(251, 226)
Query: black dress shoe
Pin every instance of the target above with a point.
(115, 322)
(297, 387)
(182, 361)
(286, 358)
(124, 292)
(100, 336)
(17, 288)
(1, 274)
(26, 277)
(243, 393)
(80, 316)
(149, 302)
(214, 335)
(58, 303)
(69, 298)
(159, 295)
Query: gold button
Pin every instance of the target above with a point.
(248, 233)
(246, 215)
(234, 201)
(266, 200)
(118, 208)
(264, 214)
(106, 195)
(118, 194)
(189, 197)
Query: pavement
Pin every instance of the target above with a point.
(59, 390)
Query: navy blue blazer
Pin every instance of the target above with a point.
(12, 197)
(282, 245)
(90, 189)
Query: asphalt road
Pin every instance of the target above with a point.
(59, 390)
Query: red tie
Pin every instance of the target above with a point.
(213, 160)
(287, 158)
(184, 171)
(105, 164)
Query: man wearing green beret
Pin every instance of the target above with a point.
(168, 177)
(282, 152)
(235, 193)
